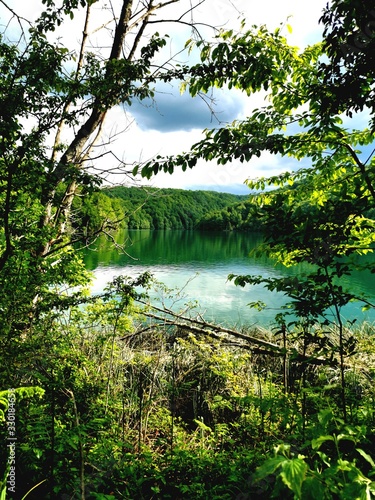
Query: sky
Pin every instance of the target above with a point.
(173, 122)
(176, 121)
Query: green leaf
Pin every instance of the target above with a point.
(269, 467)
(202, 425)
(258, 305)
(367, 457)
(293, 474)
(316, 443)
(312, 488)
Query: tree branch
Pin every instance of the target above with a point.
(362, 169)
(209, 329)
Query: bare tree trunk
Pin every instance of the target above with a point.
(75, 152)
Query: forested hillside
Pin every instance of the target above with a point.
(152, 208)
(243, 216)
(239, 216)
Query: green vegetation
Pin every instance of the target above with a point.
(320, 213)
(136, 409)
(111, 397)
(151, 208)
(239, 216)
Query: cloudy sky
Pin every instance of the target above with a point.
(174, 122)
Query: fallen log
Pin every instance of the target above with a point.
(202, 327)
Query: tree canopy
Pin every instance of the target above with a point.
(53, 103)
(349, 40)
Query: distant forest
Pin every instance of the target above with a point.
(154, 208)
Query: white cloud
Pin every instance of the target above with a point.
(175, 123)
(150, 143)
(303, 18)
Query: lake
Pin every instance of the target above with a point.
(198, 263)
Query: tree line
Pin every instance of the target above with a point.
(153, 208)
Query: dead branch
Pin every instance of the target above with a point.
(202, 327)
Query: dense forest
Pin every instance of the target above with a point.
(112, 396)
(238, 216)
(152, 208)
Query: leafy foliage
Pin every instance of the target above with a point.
(151, 208)
(320, 213)
(53, 103)
(349, 41)
(132, 409)
(329, 477)
(117, 402)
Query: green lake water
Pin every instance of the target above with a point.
(199, 262)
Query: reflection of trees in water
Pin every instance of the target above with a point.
(214, 255)
(153, 246)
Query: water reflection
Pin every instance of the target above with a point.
(202, 262)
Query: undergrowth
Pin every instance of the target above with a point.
(158, 412)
